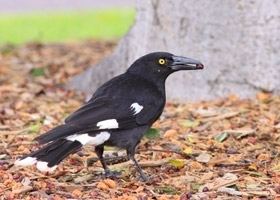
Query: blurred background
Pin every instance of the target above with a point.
(24, 21)
(51, 41)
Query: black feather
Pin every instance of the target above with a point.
(56, 151)
(58, 132)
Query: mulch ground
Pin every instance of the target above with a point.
(220, 149)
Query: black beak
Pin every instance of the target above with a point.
(183, 63)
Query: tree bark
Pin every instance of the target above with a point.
(238, 41)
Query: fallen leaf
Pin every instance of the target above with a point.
(205, 112)
(23, 189)
(84, 178)
(259, 193)
(253, 167)
(38, 72)
(101, 185)
(178, 163)
(277, 126)
(77, 193)
(221, 117)
(110, 183)
(190, 138)
(166, 190)
(231, 191)
(171, 146)
(25, 181)
(169, 134)
(188, 123)
(188, 150)
(253, 186)
(195, 186)
(203, 158)
(34, 128)
(152, 133)
(264, 157)
(263, 96)
(221, 137)
(240, 133)
(196, 166)
(106, 184)
(228, 179)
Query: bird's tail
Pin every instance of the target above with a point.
(48, 157)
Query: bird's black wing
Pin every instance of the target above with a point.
(115, 100)
(94, 113)
(103, 114)
(120, 109)
(125, 102)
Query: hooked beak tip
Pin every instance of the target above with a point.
(199, 66)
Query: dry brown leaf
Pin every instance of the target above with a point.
(169, 134)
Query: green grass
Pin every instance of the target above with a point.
(67, 26)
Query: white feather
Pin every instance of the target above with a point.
(86, 139)
(108, 124)
(136, 108)
(26, 161)
(43, 167)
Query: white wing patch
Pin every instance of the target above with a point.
(108, 124)
(86, 139)
(136, 108)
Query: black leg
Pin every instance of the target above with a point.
(99, 152)
(130, 154)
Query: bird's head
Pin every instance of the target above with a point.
(163, 64)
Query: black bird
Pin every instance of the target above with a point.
(118, 114)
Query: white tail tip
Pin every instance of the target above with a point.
(43, 167)
(26, 161)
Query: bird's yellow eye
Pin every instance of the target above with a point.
(161, 61)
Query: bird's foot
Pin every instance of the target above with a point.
(144, 178)
(112, 174)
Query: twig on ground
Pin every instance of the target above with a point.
(152, 163)
(23, 189)
(171, 151)
(220, 117)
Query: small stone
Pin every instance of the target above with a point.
(221, 173)
(205, 189)
(231, 150)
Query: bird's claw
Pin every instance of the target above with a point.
(144, 178)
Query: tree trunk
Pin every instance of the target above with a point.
(238, 42)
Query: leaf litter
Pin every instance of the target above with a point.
(225, 148)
